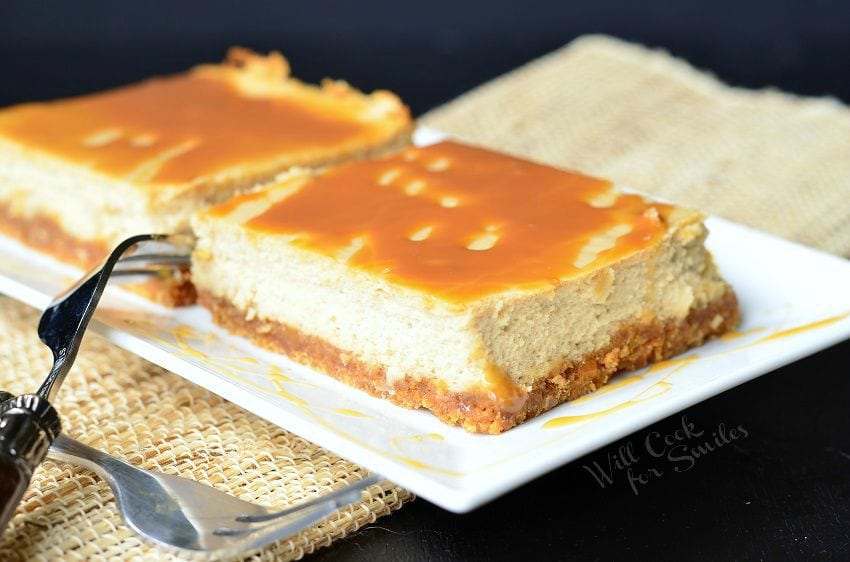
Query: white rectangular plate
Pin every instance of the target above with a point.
(795, 301)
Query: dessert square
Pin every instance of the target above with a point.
(79, 175)
(485, 288)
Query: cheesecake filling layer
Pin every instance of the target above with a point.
(411, 333)
(531, 287)
(479, 410)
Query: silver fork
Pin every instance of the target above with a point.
(28, 422)
(169, 510)
(189, 516)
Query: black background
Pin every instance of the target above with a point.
(428, 52)
(781, 493)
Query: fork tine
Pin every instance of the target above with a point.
(64, 322)
(343, 496)
(157, 259)
(293, 520)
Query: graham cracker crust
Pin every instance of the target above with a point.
(46, 235)
(634, 346)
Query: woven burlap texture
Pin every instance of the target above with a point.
(651, 122)
(126, 406)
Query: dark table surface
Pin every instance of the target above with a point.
(780, 492)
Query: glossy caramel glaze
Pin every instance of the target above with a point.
(176, 129)
(460, 222)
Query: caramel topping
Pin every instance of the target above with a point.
(511, 395)
(180, 128)
(476, 223)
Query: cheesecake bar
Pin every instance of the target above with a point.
(485, 288)
(79, 175)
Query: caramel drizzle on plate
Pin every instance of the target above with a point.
(461, 222)
(179, 128)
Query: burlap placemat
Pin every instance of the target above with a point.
(646, 120)
(642, 118)
(126, 406)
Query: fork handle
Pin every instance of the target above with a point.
(28, 424)
(14, 481)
